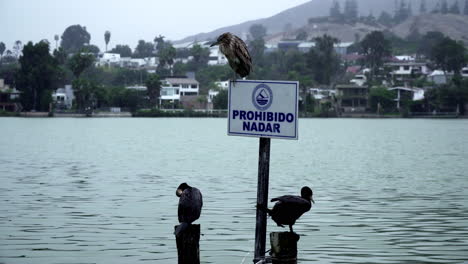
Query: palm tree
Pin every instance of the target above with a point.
(56, 38)
(107, 36)
(2, 49)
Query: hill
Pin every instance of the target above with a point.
(454, 26)
(298, 16)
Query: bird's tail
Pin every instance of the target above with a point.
(181, 228)
(264, 208)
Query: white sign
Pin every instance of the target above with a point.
(263, 109)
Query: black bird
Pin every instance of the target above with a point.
(190, 205)
(289, 208)
(236, 52)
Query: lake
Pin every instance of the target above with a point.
(103, 190)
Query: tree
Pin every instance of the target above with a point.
(444, 7)
(351, 12)
(107, 36)
(123, 50)
(428, 42)
(91, 49)
(220, 101)
(382, 97)
(448, 55)
(143, 49)
(257, 43)
(17, 48)
(2, 49)
(56, 38)
(402, 12)
(200, 56)
(385, 19)
(301, 35)
(375, 48)
(80, 62)
(323, 60)
(166, 56)
(257, 31)
(423, 7)
(153, 86)
(74, 38)
(159, 41)
(335, 11)
(454, 9)
(36, 76)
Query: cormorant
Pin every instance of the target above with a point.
(190, 205)
(289, 208)
(236, 52)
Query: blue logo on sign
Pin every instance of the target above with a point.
(262, 97)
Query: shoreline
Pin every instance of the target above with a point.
(198, 114)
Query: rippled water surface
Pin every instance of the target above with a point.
(103, 190)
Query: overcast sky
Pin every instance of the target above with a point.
(127, 20)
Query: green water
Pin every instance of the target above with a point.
(103, 190)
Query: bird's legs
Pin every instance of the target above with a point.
(234, 80)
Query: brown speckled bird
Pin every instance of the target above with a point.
(236, 52)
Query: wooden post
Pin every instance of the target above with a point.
(284, 247)
(188, 249)
(262, 198)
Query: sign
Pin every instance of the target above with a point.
(263, 109)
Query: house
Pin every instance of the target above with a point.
(359, 79)
(175, 88)
(352, 97)
(9, 98)
(464, 72)
(439, 77)
(415, 94)
(222, 85)
(216, 57)
(63, 97)
(403, 71)
(108, 59)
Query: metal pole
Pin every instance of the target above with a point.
(262, 198)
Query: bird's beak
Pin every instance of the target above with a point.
(214, 43)
(312, 200)
(178, 192)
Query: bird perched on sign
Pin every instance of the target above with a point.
(236, 52)
(190, 205)
(288, 208)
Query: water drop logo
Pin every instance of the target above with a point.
(262, 97)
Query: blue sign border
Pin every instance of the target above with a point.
(264, 135)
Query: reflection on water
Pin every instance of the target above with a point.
(102, 190)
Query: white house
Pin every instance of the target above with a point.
(223, 85)
(216, 57)
(108, 59)
(63, 97)
(418, 93)
(174, 88)
(405, 70)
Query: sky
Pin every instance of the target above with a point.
(127, 20)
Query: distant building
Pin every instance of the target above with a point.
(63, 97)
(405, 71)
(108, 59)
(9, 98)
(352, 98)
(439, 77)
(415, 93)
(217, 57)
(173, 89)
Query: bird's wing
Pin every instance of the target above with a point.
(190, 205)
(243, 54)
(292, 200)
